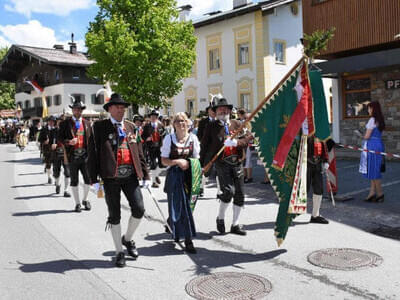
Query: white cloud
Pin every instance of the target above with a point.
(4, 42)
(201, 7)
(56, 7)
(33, 34)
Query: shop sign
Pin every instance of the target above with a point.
(392, 84)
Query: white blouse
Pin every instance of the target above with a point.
(166, 145)
(371, 123)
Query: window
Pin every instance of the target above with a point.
(213, 54)
(78, 97)
(356, 95)
(38, 102)
(190, 107)
(27, 103)
(280, 52)
(97, 100)
(243, 50)
(76, 74)
(245, 101)
(57, 100)
(48, 101)
(57, 75)
(214, 59)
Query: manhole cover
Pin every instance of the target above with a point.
(229, 286)
(344, 259)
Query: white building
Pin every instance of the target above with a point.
(59, 72)
(242, 53)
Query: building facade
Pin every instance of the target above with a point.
(59, 72)
(242, 54)
(363, 59)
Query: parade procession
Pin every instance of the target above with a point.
(179, 150)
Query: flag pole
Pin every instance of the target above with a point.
(258, 108)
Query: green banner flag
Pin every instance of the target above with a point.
(196, 173)
(322, 129)
(268, 127)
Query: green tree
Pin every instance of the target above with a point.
(142, 48)
(7, 90)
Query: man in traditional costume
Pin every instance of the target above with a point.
(205, 121)
(74, 134)
(317, 161)
(47, 137)
(153, 133)
(228, 164)
(117, 157)
(60, 160)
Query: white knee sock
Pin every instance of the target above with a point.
(58, 181)
(222, 210)
(75, 193)
(133, 224)
(66, 183)
(236, 213)
(317, 199)
(48, 172)
(86, 188)
(116, 235)
(154, 174)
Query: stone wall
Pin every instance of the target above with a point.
(390, 103)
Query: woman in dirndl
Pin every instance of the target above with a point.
(371, 163)
(177, 148)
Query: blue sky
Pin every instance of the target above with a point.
(43, 23)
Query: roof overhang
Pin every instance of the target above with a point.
(359, 63)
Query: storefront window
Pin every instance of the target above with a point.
(356, 96)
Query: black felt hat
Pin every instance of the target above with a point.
(115, 99)
(154, 112)
(77, 103)
(138, 118)
(221, 102)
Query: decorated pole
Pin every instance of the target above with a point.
(258, 108)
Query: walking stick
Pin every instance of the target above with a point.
(159, 209)
(330, 187)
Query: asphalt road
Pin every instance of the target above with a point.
(50, 252)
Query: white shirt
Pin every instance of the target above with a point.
(166, 146)
(371, 123)
(75, 119)
(113, 121)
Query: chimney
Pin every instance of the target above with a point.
(58, 47)
(72, 45)
(184, 12)
(240, 3)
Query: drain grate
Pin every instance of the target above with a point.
(229, 285)
(346, 259)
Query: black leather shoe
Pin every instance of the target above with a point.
(131, 247)
(158, 180)
(319, 220)
(154, 185)
(238, 229)
(189, 247)
(78, 208)
(67, 195)
(87, 205)
(49, 181)
(58, 188)
(370, 199)
(220, 225)
(120, 260)
(380, 199)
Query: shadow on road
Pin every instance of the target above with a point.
(35, 173)
(31, 161)
(34, 197)
(27, 185)
(42, 212)
(63, 265)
